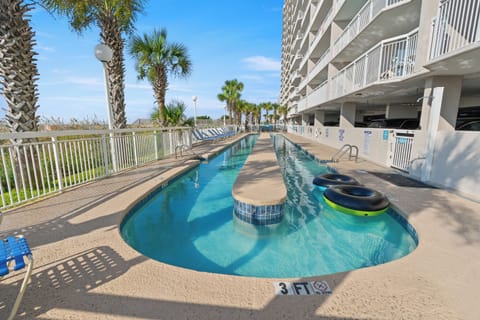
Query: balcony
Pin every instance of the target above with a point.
(321, 63)
(391, 59)
(377, 18)
(297, 77)
(456, 37)
(319, 95)
(302, 104)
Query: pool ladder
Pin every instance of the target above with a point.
(181, 148)
(353, 153)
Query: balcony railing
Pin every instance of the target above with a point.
(51, 161)
(456, 26)
(390, 59)
(360, 21)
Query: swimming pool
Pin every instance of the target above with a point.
(190, 224)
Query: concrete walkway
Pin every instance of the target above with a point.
(84, 269)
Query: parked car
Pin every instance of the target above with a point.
(331, 123)
(468, 125)
(401, 123)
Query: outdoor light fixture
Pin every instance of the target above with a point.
(104, 54)
(194, 98)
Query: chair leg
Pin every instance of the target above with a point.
(22, 288)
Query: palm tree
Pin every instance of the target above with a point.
(283, 111)
(267, 106)
(114, 18)
(275, 107)
(231, 93)
(174, 113)
(247, 109)
(257, 114)
(18, 70)
(155, 59)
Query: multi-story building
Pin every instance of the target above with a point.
(345, 62)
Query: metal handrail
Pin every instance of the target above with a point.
(343, 150)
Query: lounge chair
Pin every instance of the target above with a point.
(200, 136)
(13, 252)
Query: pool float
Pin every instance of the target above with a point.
(332, 179)
(356, 200)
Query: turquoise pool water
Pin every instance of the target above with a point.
(190, 224)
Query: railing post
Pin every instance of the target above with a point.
(57, 163)
(365, 68)
(170, 141)
(155, 139)
(405, 55)
(134, 138)
(113, 151)
(105, 154)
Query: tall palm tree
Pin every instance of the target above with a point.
(114, 18)
(156, 59)
(247, 109)
(18, 70)
(231, 93)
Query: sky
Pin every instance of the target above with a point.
(226, 39)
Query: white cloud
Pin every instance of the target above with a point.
(251, 77)
(138, 86)
(261, 63)
(85, 81)
(95, 99)
(45, 48)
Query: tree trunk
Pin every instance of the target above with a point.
(111, 35)
(160, 85)
(230, 113)
(18, 76)
(18, 71)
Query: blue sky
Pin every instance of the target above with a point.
(226, 40)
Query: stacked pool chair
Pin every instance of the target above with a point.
(13, 253)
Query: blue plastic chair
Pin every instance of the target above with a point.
(13, 253)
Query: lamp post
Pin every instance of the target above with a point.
(224, 115)
(194, 98)
(104, 54)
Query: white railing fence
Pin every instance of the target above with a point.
(360, 21)
(456, 26)
(49, 162)
(390, 59)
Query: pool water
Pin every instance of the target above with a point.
(190, 224)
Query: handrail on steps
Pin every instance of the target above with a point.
(344, 149)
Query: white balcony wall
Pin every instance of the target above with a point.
(302, 104)
(318, 95)
(370, 142)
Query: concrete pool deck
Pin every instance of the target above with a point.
(84, 269)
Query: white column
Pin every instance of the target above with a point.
(439, 112)
(319, 118)
(347, 115)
